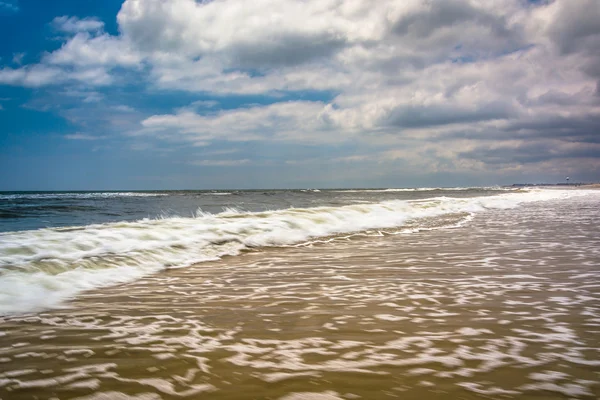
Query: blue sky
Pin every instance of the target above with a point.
(182, 94)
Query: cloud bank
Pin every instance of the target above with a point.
(460, 86)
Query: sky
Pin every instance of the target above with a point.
(189, 94)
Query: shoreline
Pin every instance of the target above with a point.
(499, 305)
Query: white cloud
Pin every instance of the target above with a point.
(9, 5)
(38, 75)
(86, 96)
(248, 33)
(83, 136)
(74, 25)
(18, 58)
(220, 152)
(94, 76)
(85, 50)
(221, 163)
(87, 58)
(284, 121)
(32, 76)
(123, 108)
(432, 81)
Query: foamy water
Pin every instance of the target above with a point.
(421, 189)
(41, 268)
(505, 305)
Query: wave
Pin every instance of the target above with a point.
(8, 214)
(75, 195)
(424, 189)
(42, 268)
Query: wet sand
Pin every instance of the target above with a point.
(506, 306)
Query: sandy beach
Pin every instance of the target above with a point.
(506, 306)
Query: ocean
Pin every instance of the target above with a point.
(436, 293)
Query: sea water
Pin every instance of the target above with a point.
(422, 293)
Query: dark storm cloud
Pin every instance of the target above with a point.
(555, 97)
(577, 26)
(576, 29)
(285, 51)
(428, 116)
(441, 14)
(575, 129)
(528, 153)
(582, 130)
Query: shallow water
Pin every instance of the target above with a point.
(506, 305)
(41, 268)
(35, 210)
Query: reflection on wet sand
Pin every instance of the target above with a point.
(506, 306)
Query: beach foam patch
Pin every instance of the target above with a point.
(42, 268)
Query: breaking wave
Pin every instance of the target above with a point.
(42, 268)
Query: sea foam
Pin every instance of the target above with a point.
(42, 268)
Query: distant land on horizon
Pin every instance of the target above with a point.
(555, 184)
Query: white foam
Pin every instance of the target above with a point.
(120, 396)
(568, 389)
(477, 388)
(42, 268)
(423, 189)
(548, 376)
(329, 395)
(92, 384)
(281, 376)
(389, 317)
